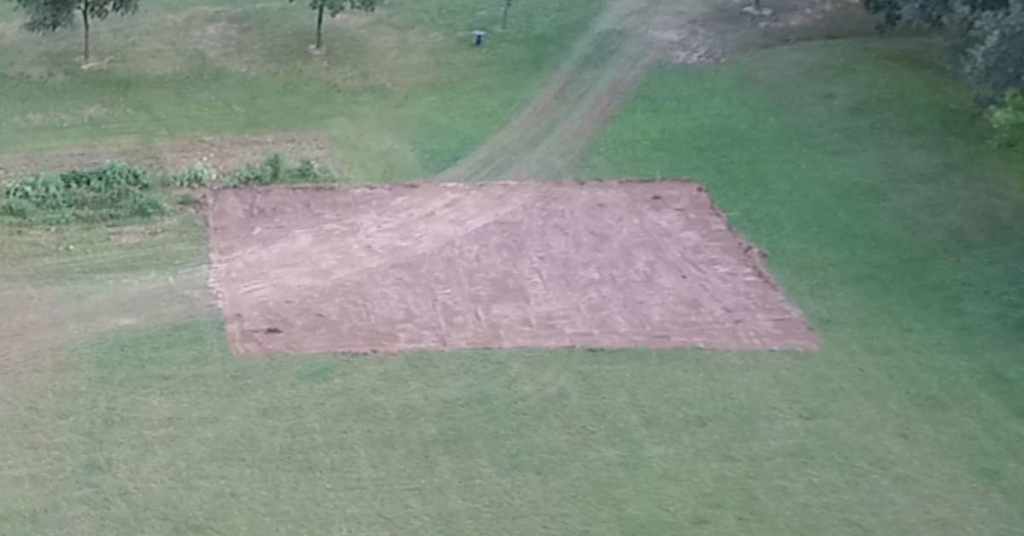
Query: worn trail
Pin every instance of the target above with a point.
(547, 137)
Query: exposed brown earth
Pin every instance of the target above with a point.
(501, 265)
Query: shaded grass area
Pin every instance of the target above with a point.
(857, 165)
(404, 81)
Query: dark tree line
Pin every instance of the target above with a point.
(987, 37)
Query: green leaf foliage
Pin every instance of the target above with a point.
(197, 176)
(1007, 119)
(337, 6)
(993, 60)
(110, 193)
(52, 15)
(275, 170)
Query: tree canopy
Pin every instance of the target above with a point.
(53, 15)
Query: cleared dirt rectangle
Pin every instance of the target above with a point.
(501, 265)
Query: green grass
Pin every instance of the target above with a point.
(866, 174)
(400, 93)
(858, 165)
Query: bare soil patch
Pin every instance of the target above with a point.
(223, 153)
(499, 265)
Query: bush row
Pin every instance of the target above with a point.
(274, 170)
(121, 192)
(113, 192)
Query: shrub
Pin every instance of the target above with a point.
(109, 193)
(266, 173)
(248, 176)
(197, 176)
(274, 167)
(274, 170)
(1007, 119)
(308, 171)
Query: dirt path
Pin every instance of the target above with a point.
(548, 136)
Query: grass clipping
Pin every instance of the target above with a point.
(106, 194)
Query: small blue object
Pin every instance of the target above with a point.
(478, 37)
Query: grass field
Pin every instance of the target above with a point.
(400, 93)
(859, 165)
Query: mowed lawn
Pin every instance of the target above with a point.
(400, 93)
(860, 166)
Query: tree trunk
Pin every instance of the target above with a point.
(504, 15)
(85, 26)
(320, 27)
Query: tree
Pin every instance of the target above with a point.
(987, 37)
(334, 7)
(993, 58)
(932, 13)
(53, 15)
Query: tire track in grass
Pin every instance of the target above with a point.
(546, 139)
(62, 286)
